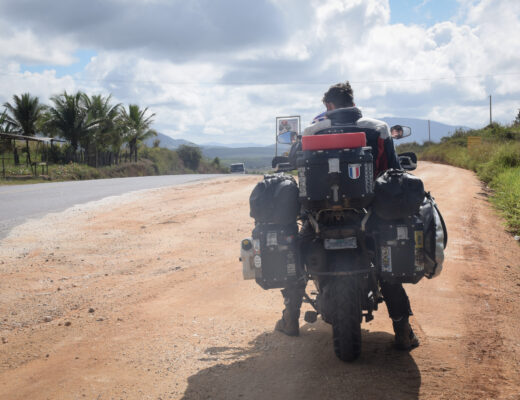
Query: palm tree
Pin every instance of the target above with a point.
(105, 133)
(22, 116)
(136, 127)
(4, 126)
(69, 118)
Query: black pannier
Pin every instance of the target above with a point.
(336, 178)
(398, 194)
(275, 200)
(276, 258)
(412, 247)
(399, 248)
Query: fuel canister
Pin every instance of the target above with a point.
(247, 258)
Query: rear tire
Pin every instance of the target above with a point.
(346, 323)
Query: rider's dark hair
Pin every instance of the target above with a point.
(340, 94)
(398, 128)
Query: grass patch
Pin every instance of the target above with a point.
(506, 198)
(74, 171)
(496, 162)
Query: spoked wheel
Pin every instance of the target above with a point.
(346, 323)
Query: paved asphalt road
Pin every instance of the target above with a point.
(21, 202)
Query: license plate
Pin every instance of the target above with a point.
(272, 239)
(345, 243)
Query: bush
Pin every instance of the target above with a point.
(190, 156)
(166, 161)
(73, 172)
(139, 168)
(497, 132)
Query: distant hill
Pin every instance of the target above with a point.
(167, 142)
(231, 145)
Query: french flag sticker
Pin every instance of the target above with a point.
(354, 171)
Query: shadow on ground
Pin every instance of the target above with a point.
(275, 366)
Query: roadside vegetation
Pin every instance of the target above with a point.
(93, 137)
(496, 160)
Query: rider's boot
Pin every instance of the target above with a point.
(405, 338)
(289, 323)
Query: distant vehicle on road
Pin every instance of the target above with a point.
(238, 168)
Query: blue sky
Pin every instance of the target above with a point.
(82, 57)
(222, 71)
(425, 12)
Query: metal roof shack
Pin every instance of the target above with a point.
(44, 141)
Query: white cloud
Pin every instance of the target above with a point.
(44, 85)
(25, 46)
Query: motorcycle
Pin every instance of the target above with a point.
(342, 246)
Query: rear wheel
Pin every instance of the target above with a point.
(346, 323)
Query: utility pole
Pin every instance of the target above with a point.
(490, 118)
(429, 135)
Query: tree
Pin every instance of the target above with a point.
(517, 119)
(190, 156)
(69, 118)
(4, 126)
(105, 133)
(136, 127)
(23, 114)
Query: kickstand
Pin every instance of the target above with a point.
(307, 299)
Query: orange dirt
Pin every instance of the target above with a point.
(170, 316)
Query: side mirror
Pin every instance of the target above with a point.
(400, 132)
(408, 160)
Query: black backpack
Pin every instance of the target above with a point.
(275, 200)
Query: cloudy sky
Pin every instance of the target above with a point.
(222, 70)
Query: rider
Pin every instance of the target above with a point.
(341, 96)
